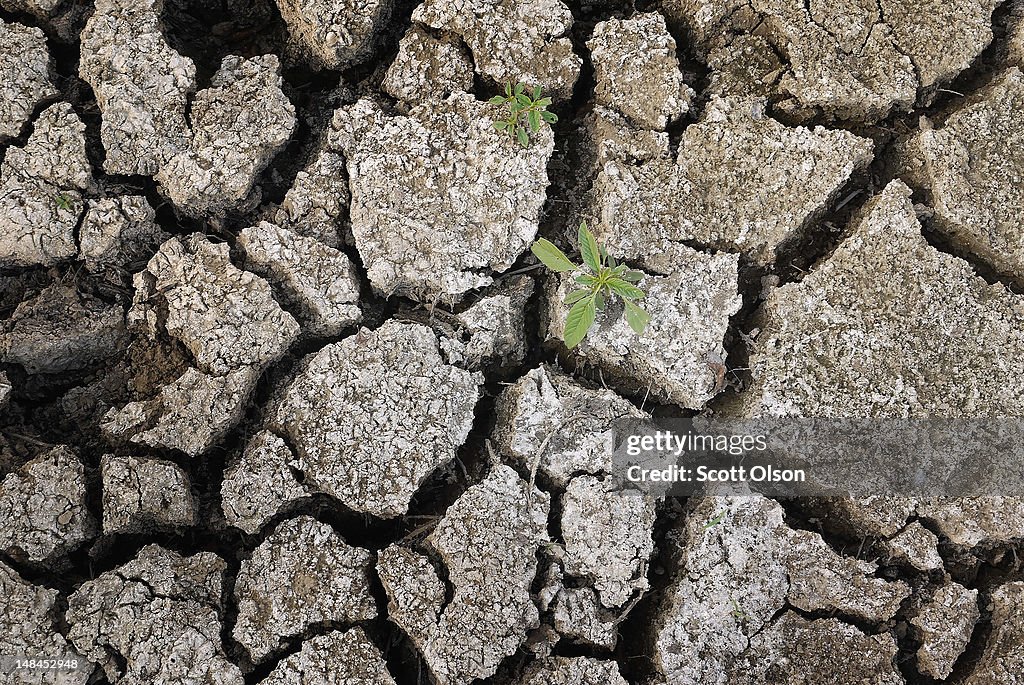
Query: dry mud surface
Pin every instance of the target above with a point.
(282, 393)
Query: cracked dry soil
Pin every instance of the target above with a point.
(282, 393)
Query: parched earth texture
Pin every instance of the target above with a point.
(282, 393)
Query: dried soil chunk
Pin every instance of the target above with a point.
(439, 198)
(512, 40)
(740, 564)
(608, 538)
(1003, 660)
(944, 628)
(560, 670)
(971, 521)
(5, 391)
(226, 317)
(637, 71)
(339, 657)
(61, 330)
(492, 330)
(741, 181)
(416, 594)
(549, 409)
(334, 34)
(238, 125)
(40, 8)
(119, 231)
(318, 280)
(26, 628)
(190, 415)
(577, 615)
(373, 415)
(155, 620)
(260, 483)
(973, 173)
(427, 67)
(142, 92)
(917, 546)
(674, 358)
(303, 574)
(140, 495)
(24, 76)
(488, 539)
(1015, 36)
(41, 188)
(797, 651)
(315, 204)
(920, 308)
(43, 512)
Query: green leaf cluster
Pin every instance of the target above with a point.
(600, 278)
(525, 113)
(63, 202)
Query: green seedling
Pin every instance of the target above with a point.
(715, 521)
(525, 113)
(601, 278)
(63, 202)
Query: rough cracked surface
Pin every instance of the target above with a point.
(318, 281)
(141, 494)
(374, 415)
(492, 330)
(43, 512)
(580, 670)
(26, 627)
(550, 423)
(973, 173)
(439, 198)
(488, 542)
(607, 537)
(741, 182)
(334, 34)
(62, 330)
(512, 41)
(24, 76)
(674, 358)
(739, 565)
(637, 71)
(855, 60)
(119, 232)
(1003, 659)
(143, 92)
(156, 619)
(428, 67)
(871, 287)
(317, 201)
(238, 124)
(302, 575)
(260, 483)
(41, 187)
(945, 626)
(338, 657)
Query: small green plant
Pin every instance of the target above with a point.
(601, 278)
(715, 521)
(525, 113)
(63, 202)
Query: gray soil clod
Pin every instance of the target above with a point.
(118, 232)
(334, 34)
(562, 670)
(373, 415)
(24, 76)
(260, 483)
(427, 67)
(41, 187)
(141, 495)
(422, 243)
(492, 330)
(945, 626)
(1003, 659)
(338, 657)
(43, 512)
(317, 201)
(301, 576)
(156, 619)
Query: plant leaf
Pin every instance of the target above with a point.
(589, 248)
(508, 88)
(536, 92)
(600, 300)
(500, 125)
(624, 289)
(586, 279)
(522, 137)
(542, 102)
(534, 119)
(636, 317)
(523, 100)
(497, 100)
(551, 257)
(575, 296)
(520, 87)
(634, 276)
(579, 320)
(549, 117)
